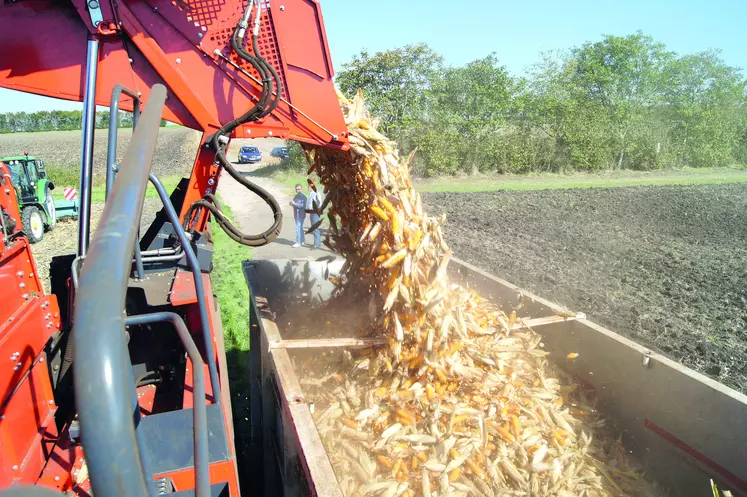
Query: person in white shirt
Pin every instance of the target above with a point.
(313, 198)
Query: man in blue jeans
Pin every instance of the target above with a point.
(299, 214)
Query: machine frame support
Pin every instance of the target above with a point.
(86, 154)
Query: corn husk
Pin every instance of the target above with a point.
(462, 401)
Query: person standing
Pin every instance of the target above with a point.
(299, 214)
(314, 201)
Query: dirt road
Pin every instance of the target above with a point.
(252, 213)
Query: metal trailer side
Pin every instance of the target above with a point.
(684, 427)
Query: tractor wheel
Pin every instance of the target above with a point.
(50, 211)
(33, 223)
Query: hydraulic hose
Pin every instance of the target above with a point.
(264, 106)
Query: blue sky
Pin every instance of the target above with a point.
(517, 31)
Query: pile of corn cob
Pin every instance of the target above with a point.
(462, 400)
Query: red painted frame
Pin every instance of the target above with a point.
(144, 42)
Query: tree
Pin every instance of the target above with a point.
(705, 102)
(469, 107)
(624, 76)
(395, 84)
(479, 95)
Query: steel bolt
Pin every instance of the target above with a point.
(31, 275)
(15, 467)
(41, 359)
(44, 305)
(50, 402)
(20, 274)
(211, 182)
(178, 60)
(282, 7)
(200, 35)
(208, 190)
(49, 325)
(22, 285)
(56, 478)
(25, 296)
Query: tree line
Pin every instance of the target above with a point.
(58, 120)
(623, 102)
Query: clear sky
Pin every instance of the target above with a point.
(516, 30)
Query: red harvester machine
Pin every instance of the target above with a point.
(116, 383)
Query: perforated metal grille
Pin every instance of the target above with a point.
(217, 20)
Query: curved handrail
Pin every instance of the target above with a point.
(111, 152)
(199, 411)
(103, 378)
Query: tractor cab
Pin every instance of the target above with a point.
(34, 192)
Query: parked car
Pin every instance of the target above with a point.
(281, 152)
(250, 155)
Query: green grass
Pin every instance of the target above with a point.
(98, 193)
(232, 292)
(230, 287)
(578, 180)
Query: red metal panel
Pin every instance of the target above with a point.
(203, 171)
(183, 289)
(23, 336)
(44, 52)
(44, 44)
(63, 467)
(28, 417)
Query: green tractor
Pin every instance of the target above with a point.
(34, 192)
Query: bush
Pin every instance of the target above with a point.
(296, 160)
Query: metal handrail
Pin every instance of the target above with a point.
(103, 378)
(199, 410)
(194, 266)
(111, 153)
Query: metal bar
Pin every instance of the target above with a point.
(114, 128)
(199, 288)
(199, 411)
(351, 343)
(161, 251)
(249, 75)
(102, 369)
(111, 153)
(163, 258)
(86, 152)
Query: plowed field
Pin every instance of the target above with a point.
(663, 265)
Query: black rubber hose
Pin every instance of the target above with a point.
(268, 74)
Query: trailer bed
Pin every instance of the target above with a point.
(682, 426)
